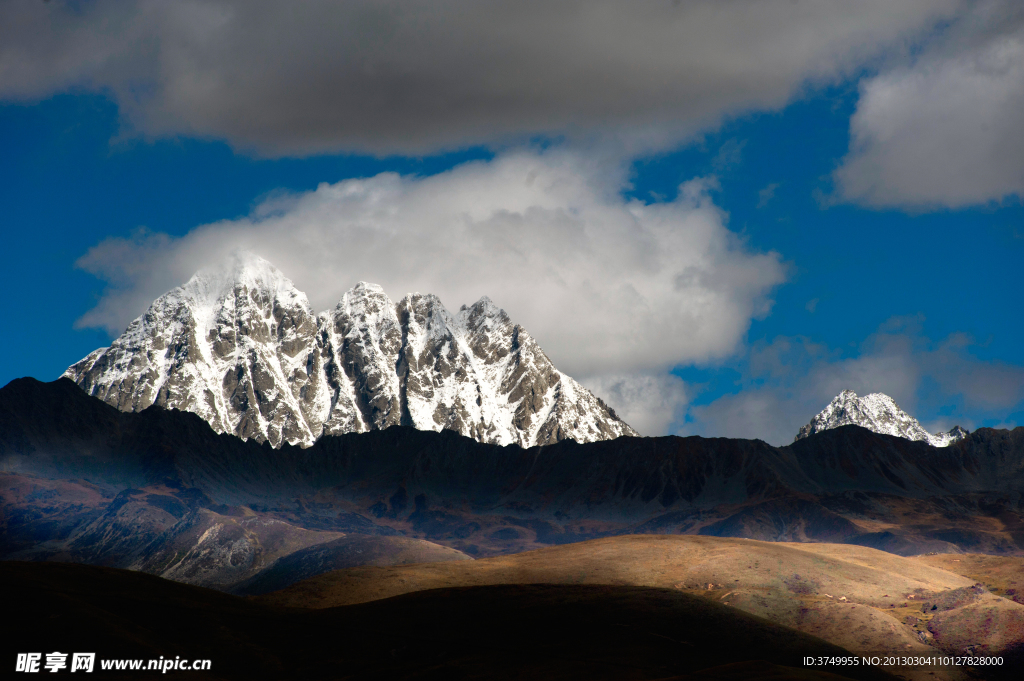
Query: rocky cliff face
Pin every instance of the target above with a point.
(879, 413)
(242, 348)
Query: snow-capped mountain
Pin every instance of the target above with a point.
(877, 412)
(242, 348)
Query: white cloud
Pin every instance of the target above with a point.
(607, 286)
(947, 131)
(384, 76)
(753, 414)
(791, 379)
(649, 403)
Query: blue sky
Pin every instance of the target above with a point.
(870, 273)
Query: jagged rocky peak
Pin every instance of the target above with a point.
(241, 347)
(236, 345)
(879, 413)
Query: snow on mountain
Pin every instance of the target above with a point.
(879, 413)
(242, 348)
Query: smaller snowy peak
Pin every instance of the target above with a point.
(879, 413)
(481, 313)
(364, 301)
(427, 314)
(954, 434)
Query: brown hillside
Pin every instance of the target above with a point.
(862, 599)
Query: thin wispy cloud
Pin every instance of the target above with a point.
(765, 196)
(729, 155)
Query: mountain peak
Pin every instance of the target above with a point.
(211, 287)
(366, 288)
(879, 413)
(243, 267)
(240, 346)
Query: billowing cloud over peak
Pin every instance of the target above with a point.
(549, 234)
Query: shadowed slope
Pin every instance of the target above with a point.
(867, 601)
(498, 632)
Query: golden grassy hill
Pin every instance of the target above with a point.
(867, 601)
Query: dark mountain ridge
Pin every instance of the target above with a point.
(55, 430)
(155, 476)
